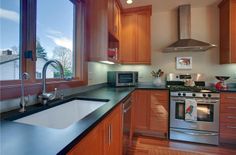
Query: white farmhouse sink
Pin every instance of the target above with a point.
(62, 116)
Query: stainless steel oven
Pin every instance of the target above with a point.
(205, 128)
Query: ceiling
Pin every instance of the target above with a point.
(167, 5)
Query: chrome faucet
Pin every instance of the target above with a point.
(23, 102)
(45, 97)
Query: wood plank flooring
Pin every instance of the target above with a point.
(154, 146)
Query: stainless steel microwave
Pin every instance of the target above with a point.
(122, 78)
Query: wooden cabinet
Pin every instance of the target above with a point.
(159, 112)
(113, 133)
(135, 46)
(228, 118)
(102, 20)
(93, 140)
(141, 110)
(104, 139)
(114, 18)
(151, 112)
(227, 31)
(97, 29)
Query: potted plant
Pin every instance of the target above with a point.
(157, 77)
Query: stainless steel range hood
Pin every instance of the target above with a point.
(185, 43)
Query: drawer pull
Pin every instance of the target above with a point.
(231, 127)
(231, 107)
(231, 117)
(231, 97)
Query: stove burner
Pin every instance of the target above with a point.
(202, 89)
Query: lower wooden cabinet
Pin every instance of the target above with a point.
(104, 139)
(228, 118)
(113, 133)
(151, 112)
(91, 144)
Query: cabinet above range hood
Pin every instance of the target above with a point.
(185, 43)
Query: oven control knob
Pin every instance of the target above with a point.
(204, 95)
(193, 95)
(209, 95)
(184, 94)
(179, 94)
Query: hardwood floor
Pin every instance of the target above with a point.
(153, 146)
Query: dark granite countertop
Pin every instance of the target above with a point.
(22, 139)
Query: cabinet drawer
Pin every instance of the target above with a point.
(227, 98)
(160, 95)
(229, 128)
(228, 108)
(228, 118)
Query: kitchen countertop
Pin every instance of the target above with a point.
(21, 139)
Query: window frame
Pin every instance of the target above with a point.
(11, 88)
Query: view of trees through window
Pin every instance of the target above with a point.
(55, 36)
(9, 40)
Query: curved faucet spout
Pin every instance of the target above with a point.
(45, 71)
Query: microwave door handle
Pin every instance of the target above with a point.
(195, 134)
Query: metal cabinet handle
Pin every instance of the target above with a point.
(127, 109)
(231, 97)
(231, 117)
(231, 127)
(196, 134)
(109, 134)
(231, 107)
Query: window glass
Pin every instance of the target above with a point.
(55, 20)
(9, 39)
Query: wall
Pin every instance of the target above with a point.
(205, 27)
(97, 73)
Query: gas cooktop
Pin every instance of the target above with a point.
(200, 89)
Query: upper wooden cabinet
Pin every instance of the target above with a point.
(135, 44)
(151, 112)
(114, 18)
(102, 20)
(227, 31)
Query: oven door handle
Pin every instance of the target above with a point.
(195, 134)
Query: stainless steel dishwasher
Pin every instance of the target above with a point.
(127, 118)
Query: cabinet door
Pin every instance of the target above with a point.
(233, 31)
(113, 132)
(97, 29)
(93, 140)
(141, 110)
(111, 15)
(224, 33)
(143, 38)
(228, 118)
(128, 38)
(116, 28)
(159, 108)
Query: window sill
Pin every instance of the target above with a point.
(13, 90)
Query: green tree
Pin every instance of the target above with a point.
(40, 50)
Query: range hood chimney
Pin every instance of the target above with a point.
(185, 43)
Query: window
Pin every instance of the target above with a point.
(34, 31)
(9, 40)
(55, 32)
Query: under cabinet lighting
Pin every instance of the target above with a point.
(107, 62)
(129, 1)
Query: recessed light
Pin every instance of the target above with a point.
(107, 62)
(129, 1)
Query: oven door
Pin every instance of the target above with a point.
(207, 114)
